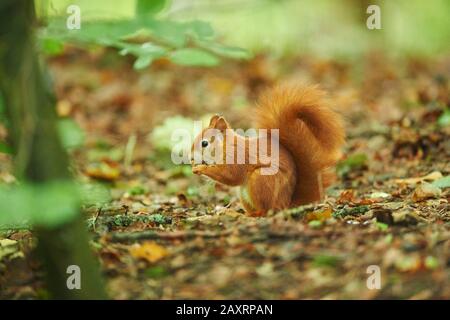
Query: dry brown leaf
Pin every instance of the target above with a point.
(429, 177)
(346, 196)
(426, 191)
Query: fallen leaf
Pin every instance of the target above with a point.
(183, 200)
(103, 171)
(346, 196)
(326, 260)
(442, 182)
(382, 226)
(426, 191)
(379, 195)
(265, 270)
(63, 108)
(406, 217)
(149, 251)
(9, 248)
(429, 177)
(315, 224)
(353, 162)
(411, 263)
(319, 215)
(156, 272)
(431, 262)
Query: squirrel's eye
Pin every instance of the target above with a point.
(205, 143)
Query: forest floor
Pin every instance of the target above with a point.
(166, 234)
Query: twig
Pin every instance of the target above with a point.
(189, 234)
(150, 234)
(99, 211)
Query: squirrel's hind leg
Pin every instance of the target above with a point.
(266, 192)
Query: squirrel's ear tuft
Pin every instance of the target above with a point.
(212, 122)
(221, 124)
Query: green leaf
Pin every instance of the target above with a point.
(72, 136)
(431, 262)
(156, 272)
(444, 118)
(353, 162)
(325, 260)
(382, 226)
(128, 34)
(136, 190)
(199, 29)
(225, 51)
(142, 62)
(193, 57)
(145, 49)
(315, 224)
(192, 191)
(149, 7)
(442, 182)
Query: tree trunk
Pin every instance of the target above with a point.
(38, 153)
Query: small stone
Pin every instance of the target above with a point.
(380, 195)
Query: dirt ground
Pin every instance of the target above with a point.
(166, 234)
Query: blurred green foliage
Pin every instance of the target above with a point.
(329, 28)
(47, 204)
(444, 118)
(326, 260)
(326, 28)
(72, 136)
(156, 272)
(144, 36)
(5, 148)
(149, 7)
(352, 162)
(94, 194)
(2, 110)
(192, 56)
(161, 136)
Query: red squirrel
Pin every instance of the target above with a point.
(310, 136)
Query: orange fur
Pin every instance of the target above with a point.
(310, 134)
(311, 131)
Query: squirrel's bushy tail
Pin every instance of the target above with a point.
(310, 130)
